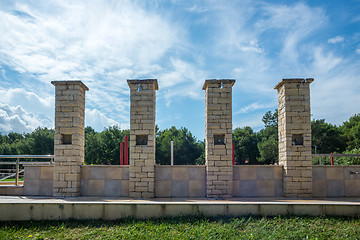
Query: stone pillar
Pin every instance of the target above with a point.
(69, 137)
(142, 138)
(218, 137)
(295, 136)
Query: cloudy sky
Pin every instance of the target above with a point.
(180, 43)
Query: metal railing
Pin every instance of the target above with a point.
(18, 163)
(320, 155)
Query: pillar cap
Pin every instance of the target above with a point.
(207, 81)
(294, 80)
(72, 82)
(140, 81)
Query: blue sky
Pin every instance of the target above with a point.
(180, 43)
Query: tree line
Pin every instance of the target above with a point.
(251, 147)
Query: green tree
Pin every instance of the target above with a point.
(187, 150)
(104, 147)
(268, 139)
(351, 132)
(326, 137)
(245, 143)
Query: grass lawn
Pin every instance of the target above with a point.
(188, 228)
(12, 179)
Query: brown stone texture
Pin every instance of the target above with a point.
(38, 180)
(336, 181)
(69, 137)
(180, 181)
(105, 181)
(142, 123)
(218, 126)
(257, 181)
(294, 121)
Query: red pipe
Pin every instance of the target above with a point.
(332, 160)
(233, 153)
(126, 150)
(121, 153)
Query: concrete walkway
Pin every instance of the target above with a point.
(19, 208)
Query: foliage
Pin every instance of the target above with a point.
(187, 150)
(245, 142)
(326, 138)
(188, 228)
(349, 160)
(351, 132)
(104, 147)
(268, 139)
(39, 142)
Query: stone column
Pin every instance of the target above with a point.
(69, 137)
(218, 137)
(142, 138)
(295, 136)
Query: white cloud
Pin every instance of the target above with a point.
(16, 119)
(325, 62)
(99, 121)
(252, 107)
(185, 80)
(336, 39)
(358, 51)
(101, 43)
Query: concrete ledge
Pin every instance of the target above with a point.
(14, 208)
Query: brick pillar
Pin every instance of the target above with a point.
(218, 137)
(69, 137)
(142, 138)
(295, 136)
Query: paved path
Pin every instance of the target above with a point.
(47, 208)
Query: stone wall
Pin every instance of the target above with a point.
(218, 137)
(294, 127)
(336, 181)
(105, 181)
(142, 138)
(258, 181)
(38, 180)
(180, 181)
(69, 137)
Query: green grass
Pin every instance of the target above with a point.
(188, 228)
(12, 179)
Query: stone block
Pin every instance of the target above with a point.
(84, 187)
(197, 173)
(248, 173)
(265, 188)
(319, 173)
(47, 173)
(96, 187)
(180, 173)
(248, 188)
(352, 187)
(278, 172)
(266, 173)
(32, 186)
(353, 169)
(113, 188)
(319, 188)
(46, 187)
(113, 172)
(335, 188)
(32, 172)
(335, 173)
(97, 172)
(278, 188)
(124, 188)
(125, 173)
(180, 189)
(197, 188)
